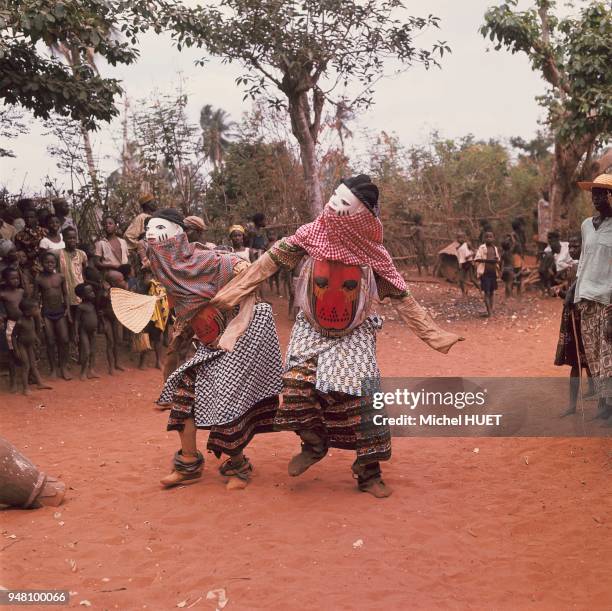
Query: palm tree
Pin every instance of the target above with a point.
(217, 133)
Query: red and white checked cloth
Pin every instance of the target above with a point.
(352, 240)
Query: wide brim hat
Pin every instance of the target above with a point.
(132, 310)
(603, 181)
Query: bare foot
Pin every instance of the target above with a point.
(65, 375)
(27, 392)
(119, 368)
(92, 375)
(82, 377)
(141, 366)
(53, 374)
(568, 412)
(157, 365)
(43, 386)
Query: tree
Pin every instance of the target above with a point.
(299, 53)
(216, 133)
(44, 84)
(573, 56)
(11, 126)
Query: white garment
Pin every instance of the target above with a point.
(464, 253)
(562, 258)
(47, 244)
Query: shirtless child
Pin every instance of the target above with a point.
(26, 341)
(11, 295)
(85, 326)
(56, 314)
(110, 325)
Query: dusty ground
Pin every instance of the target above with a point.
(522, 523)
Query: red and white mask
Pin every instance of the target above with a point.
(334, 294)
(344, 202)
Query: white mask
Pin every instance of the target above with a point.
(159, 230)
(344, 203)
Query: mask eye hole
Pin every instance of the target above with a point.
(320, 282)
(345, 203)
(350, 285)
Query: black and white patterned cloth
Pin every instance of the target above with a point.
(228, 384)
(344, 364)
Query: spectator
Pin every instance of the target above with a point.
(29, 239)
(111, 250)
(62, 212)
(136, 227)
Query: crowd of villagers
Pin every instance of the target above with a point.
(55, 290)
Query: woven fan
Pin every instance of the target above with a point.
(132, 310)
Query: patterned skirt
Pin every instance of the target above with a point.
(567, 351)
(346, 419)
(233, 394)
(598, 350)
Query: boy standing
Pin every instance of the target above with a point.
(487, 258)
(56, 315)
(11, 295)
(26, 341)
(85, 326)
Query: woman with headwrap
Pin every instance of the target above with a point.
(330, 368)
(237, 234)
(234, 392)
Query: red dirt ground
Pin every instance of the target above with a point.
(522, 523)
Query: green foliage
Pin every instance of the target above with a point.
(573, 54)
(43, 83)
(293, 44)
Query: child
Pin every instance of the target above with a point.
(86, 325)
(51, 286)
(11, 295)
(465, 257)
(54, 239)
(507, 263)
(26, 342)
(570, 350)
(487, 257)
(110, 325)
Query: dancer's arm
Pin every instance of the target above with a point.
(282, 254)
(416, 318)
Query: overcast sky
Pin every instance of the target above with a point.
(490, 94)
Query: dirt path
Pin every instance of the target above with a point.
(522, 523)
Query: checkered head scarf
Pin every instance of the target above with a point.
(352, 240)
(190, 274)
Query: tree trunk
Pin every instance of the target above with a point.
(92, 213)
(564, 174)
(300, 126)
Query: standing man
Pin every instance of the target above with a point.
(330, 369)
(594, 288)
(136, 228)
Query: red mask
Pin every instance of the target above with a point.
(208, 324)
(334, 293)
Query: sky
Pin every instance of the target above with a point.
(478, 90)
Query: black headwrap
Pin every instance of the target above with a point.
(170, 214)
(367, 192)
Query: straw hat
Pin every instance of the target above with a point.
(603, 181)
(132, 310)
